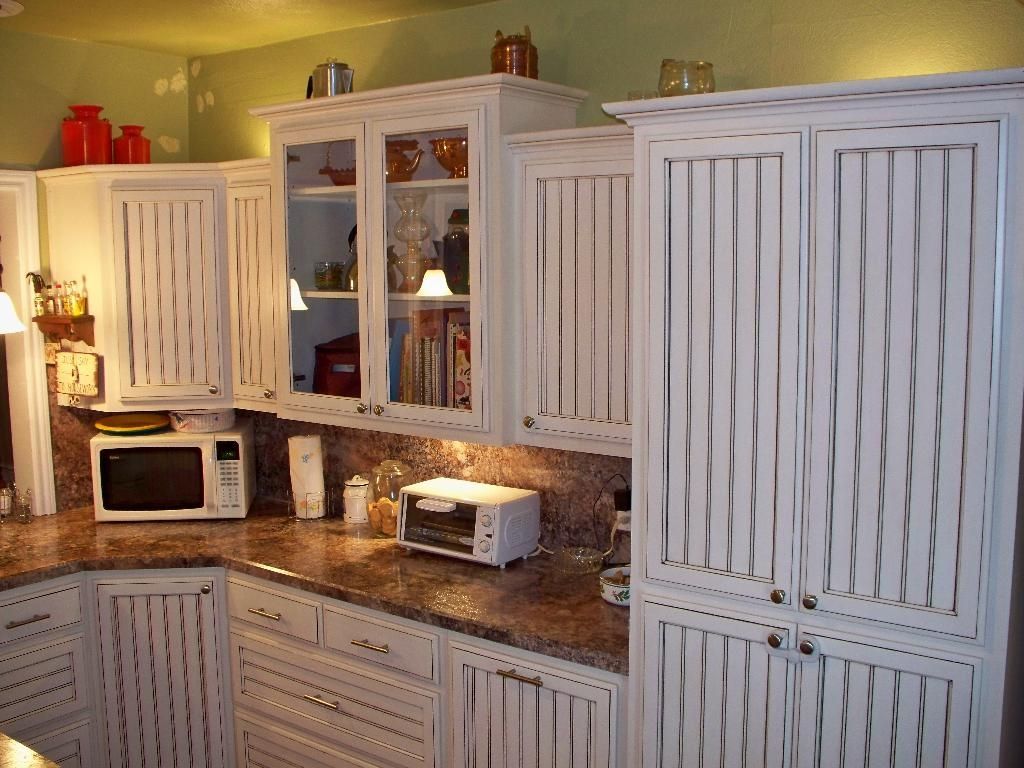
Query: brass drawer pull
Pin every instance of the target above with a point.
(23, 622)
(265, 614)
(370, 646)
(321, 702)
(511, 674)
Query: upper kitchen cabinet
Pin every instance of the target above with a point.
(147, 242)
(574, 201)
(399, 288)
(252, 282)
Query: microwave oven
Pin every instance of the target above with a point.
(488, 524)
(174, 475)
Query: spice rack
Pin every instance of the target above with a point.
(71, 327)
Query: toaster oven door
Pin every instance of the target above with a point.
(447, 525)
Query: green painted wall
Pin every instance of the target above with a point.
(41, 76)
(610, 47)
(607, 47)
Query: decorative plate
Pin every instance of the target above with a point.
(133, 423)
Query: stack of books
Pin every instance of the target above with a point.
(430, 359)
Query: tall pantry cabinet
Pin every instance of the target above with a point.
(828, 427)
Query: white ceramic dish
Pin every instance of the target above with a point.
(612, 590)
(212, 420)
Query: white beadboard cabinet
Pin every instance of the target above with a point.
(510, 710)
(828, 423)
(345, 686)
(148, 244)
(252, 284)
(161, 640)
(45, 671)
(369, 352)
(573, 211)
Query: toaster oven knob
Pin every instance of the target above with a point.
(485, 521)
(485, 546)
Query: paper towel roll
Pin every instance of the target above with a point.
(306, 462)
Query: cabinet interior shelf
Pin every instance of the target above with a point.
(321, 191)
(73, 327)
(456, 299)
(395, 186)
(349, 191)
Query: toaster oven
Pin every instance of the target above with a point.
(488, 524)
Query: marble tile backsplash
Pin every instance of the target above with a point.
(569, 483)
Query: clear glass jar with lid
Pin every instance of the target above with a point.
(389, 477)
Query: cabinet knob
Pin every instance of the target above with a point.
(268, 393)
(810, 602)
(378, 409)
(529, 421)
(362, 408)
(775, 640)
(807, 647)
(205, 589)
(214, 390)
(778, 596)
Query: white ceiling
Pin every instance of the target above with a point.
(202, 27)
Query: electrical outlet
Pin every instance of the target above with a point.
(624, 521)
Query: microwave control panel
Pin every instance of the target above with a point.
(229, 475)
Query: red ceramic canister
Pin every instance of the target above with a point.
(86, 136)
(131, 146)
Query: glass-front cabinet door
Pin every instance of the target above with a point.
(397, 311)
(326, 310)
(426, 248)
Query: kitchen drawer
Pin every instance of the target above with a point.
(383, 723)
(69, 746)
(42, 683)
(260, 745)
(289, 615)
(34, 614)
(382, 642)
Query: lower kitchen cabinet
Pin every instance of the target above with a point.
(259, 744)
(725, 689)
(510, 710)
(69, 747)
(44, 675)
(370, 718)
(159, 641)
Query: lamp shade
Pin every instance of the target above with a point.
(434, 284)
(9, 322)
(296, 303)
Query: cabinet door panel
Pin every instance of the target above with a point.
(576, 244)
(501, 720)
(866, 705)
(724, 356)
(253, 286)
(161, 675)
(167, 261)
(713, 692)
(41, 684)
(68, 747)
(903, 336)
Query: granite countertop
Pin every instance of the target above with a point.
(528, 605)
(14, 754)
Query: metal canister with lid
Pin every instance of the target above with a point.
(331, 78)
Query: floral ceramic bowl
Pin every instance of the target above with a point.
(615, 585)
